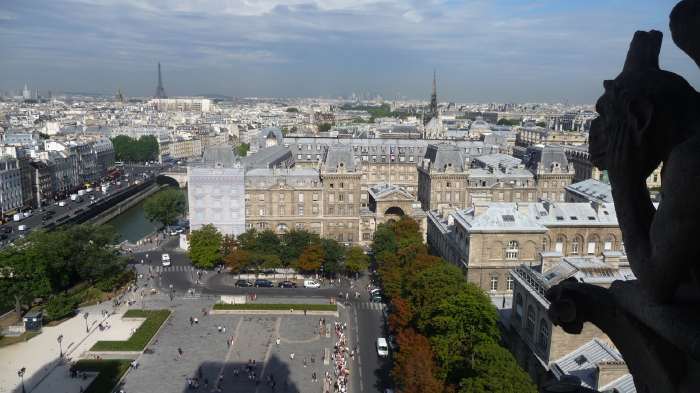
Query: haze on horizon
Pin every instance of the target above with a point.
(504, 51)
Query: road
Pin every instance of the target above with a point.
(36, 221)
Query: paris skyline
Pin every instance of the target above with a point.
(482, 51)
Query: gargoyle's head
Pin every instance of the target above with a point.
(642, 107)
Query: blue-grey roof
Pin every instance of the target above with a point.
(499, 217)
(338, 158)
(269, 157)
(270, 133)
(545, 158)
(582, 363)
(592, 190)
(219, 156)
(444, 157)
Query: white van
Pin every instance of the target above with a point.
(382, 347)
(311, 284)
(165, 259)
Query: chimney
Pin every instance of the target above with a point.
(612, 259)
(480, 207)
(450, 219)
(610, 371)
(595, 206)
(549, 259)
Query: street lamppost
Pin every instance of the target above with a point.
(87, 330)
(20, 374)
(60, 346)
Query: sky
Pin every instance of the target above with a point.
(482, 50)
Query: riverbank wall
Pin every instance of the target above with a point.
(124, 205)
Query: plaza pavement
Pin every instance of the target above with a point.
(40, 355)
(206, 353)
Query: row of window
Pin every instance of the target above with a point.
(542, 340)
(577, 244)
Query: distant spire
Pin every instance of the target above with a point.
(160, 90)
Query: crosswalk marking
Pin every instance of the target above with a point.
(371, 306)
(164, 269)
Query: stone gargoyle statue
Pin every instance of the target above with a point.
(648, 116)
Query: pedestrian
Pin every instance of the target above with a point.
(278, 341)
(313, 377)
(191, 321)
(291, 356)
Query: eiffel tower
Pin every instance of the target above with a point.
(160, 90)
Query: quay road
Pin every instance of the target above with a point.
(71, 208)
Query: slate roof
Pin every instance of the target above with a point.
(497, 160)
(445, 156)
(592, 190)
(498, 217)
(268, 157)
(571, 213)
(582, 362)
(219, 156)
(339, 156)
(544, 157)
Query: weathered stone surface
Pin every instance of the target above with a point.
(649, 116)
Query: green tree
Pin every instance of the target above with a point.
(508, 122)
(311, 258)
(248, 239)
(324, 127)
(135, 150)
(205, 246)
(165, 206)
(60, 306)
(494, 370)
(267, 243)
(22, 277)
(541, 124)
(355, 260)
(242, 149)
(292, 110)
(333, 253)
(295, 241)
(384, 240)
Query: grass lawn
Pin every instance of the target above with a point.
(110, 371)
(26, 336)
(140, 338)
(262, 306)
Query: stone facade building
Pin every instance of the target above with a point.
(489, 240)
(552, 171)
(446, 181)
(544, 350)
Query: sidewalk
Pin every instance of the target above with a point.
(41, 354)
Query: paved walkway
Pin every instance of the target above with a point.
(40, 355)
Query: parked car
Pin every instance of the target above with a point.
(382, 347)
(312, 284)
(377, 298)
(22, 228)
(244, 283)
(7, 229)
(287, 284)
(165, 259)
(260, 283)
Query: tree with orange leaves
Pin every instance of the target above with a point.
(414, 366)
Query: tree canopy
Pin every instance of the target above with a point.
(355, 260)
(324, 127)
(165, 206)
(46, 263)
(205, 246)
(446, 327)
(135, 150)
(242, 149)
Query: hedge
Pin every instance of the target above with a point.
(263, 306)
(140, 338)
(110, 371)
